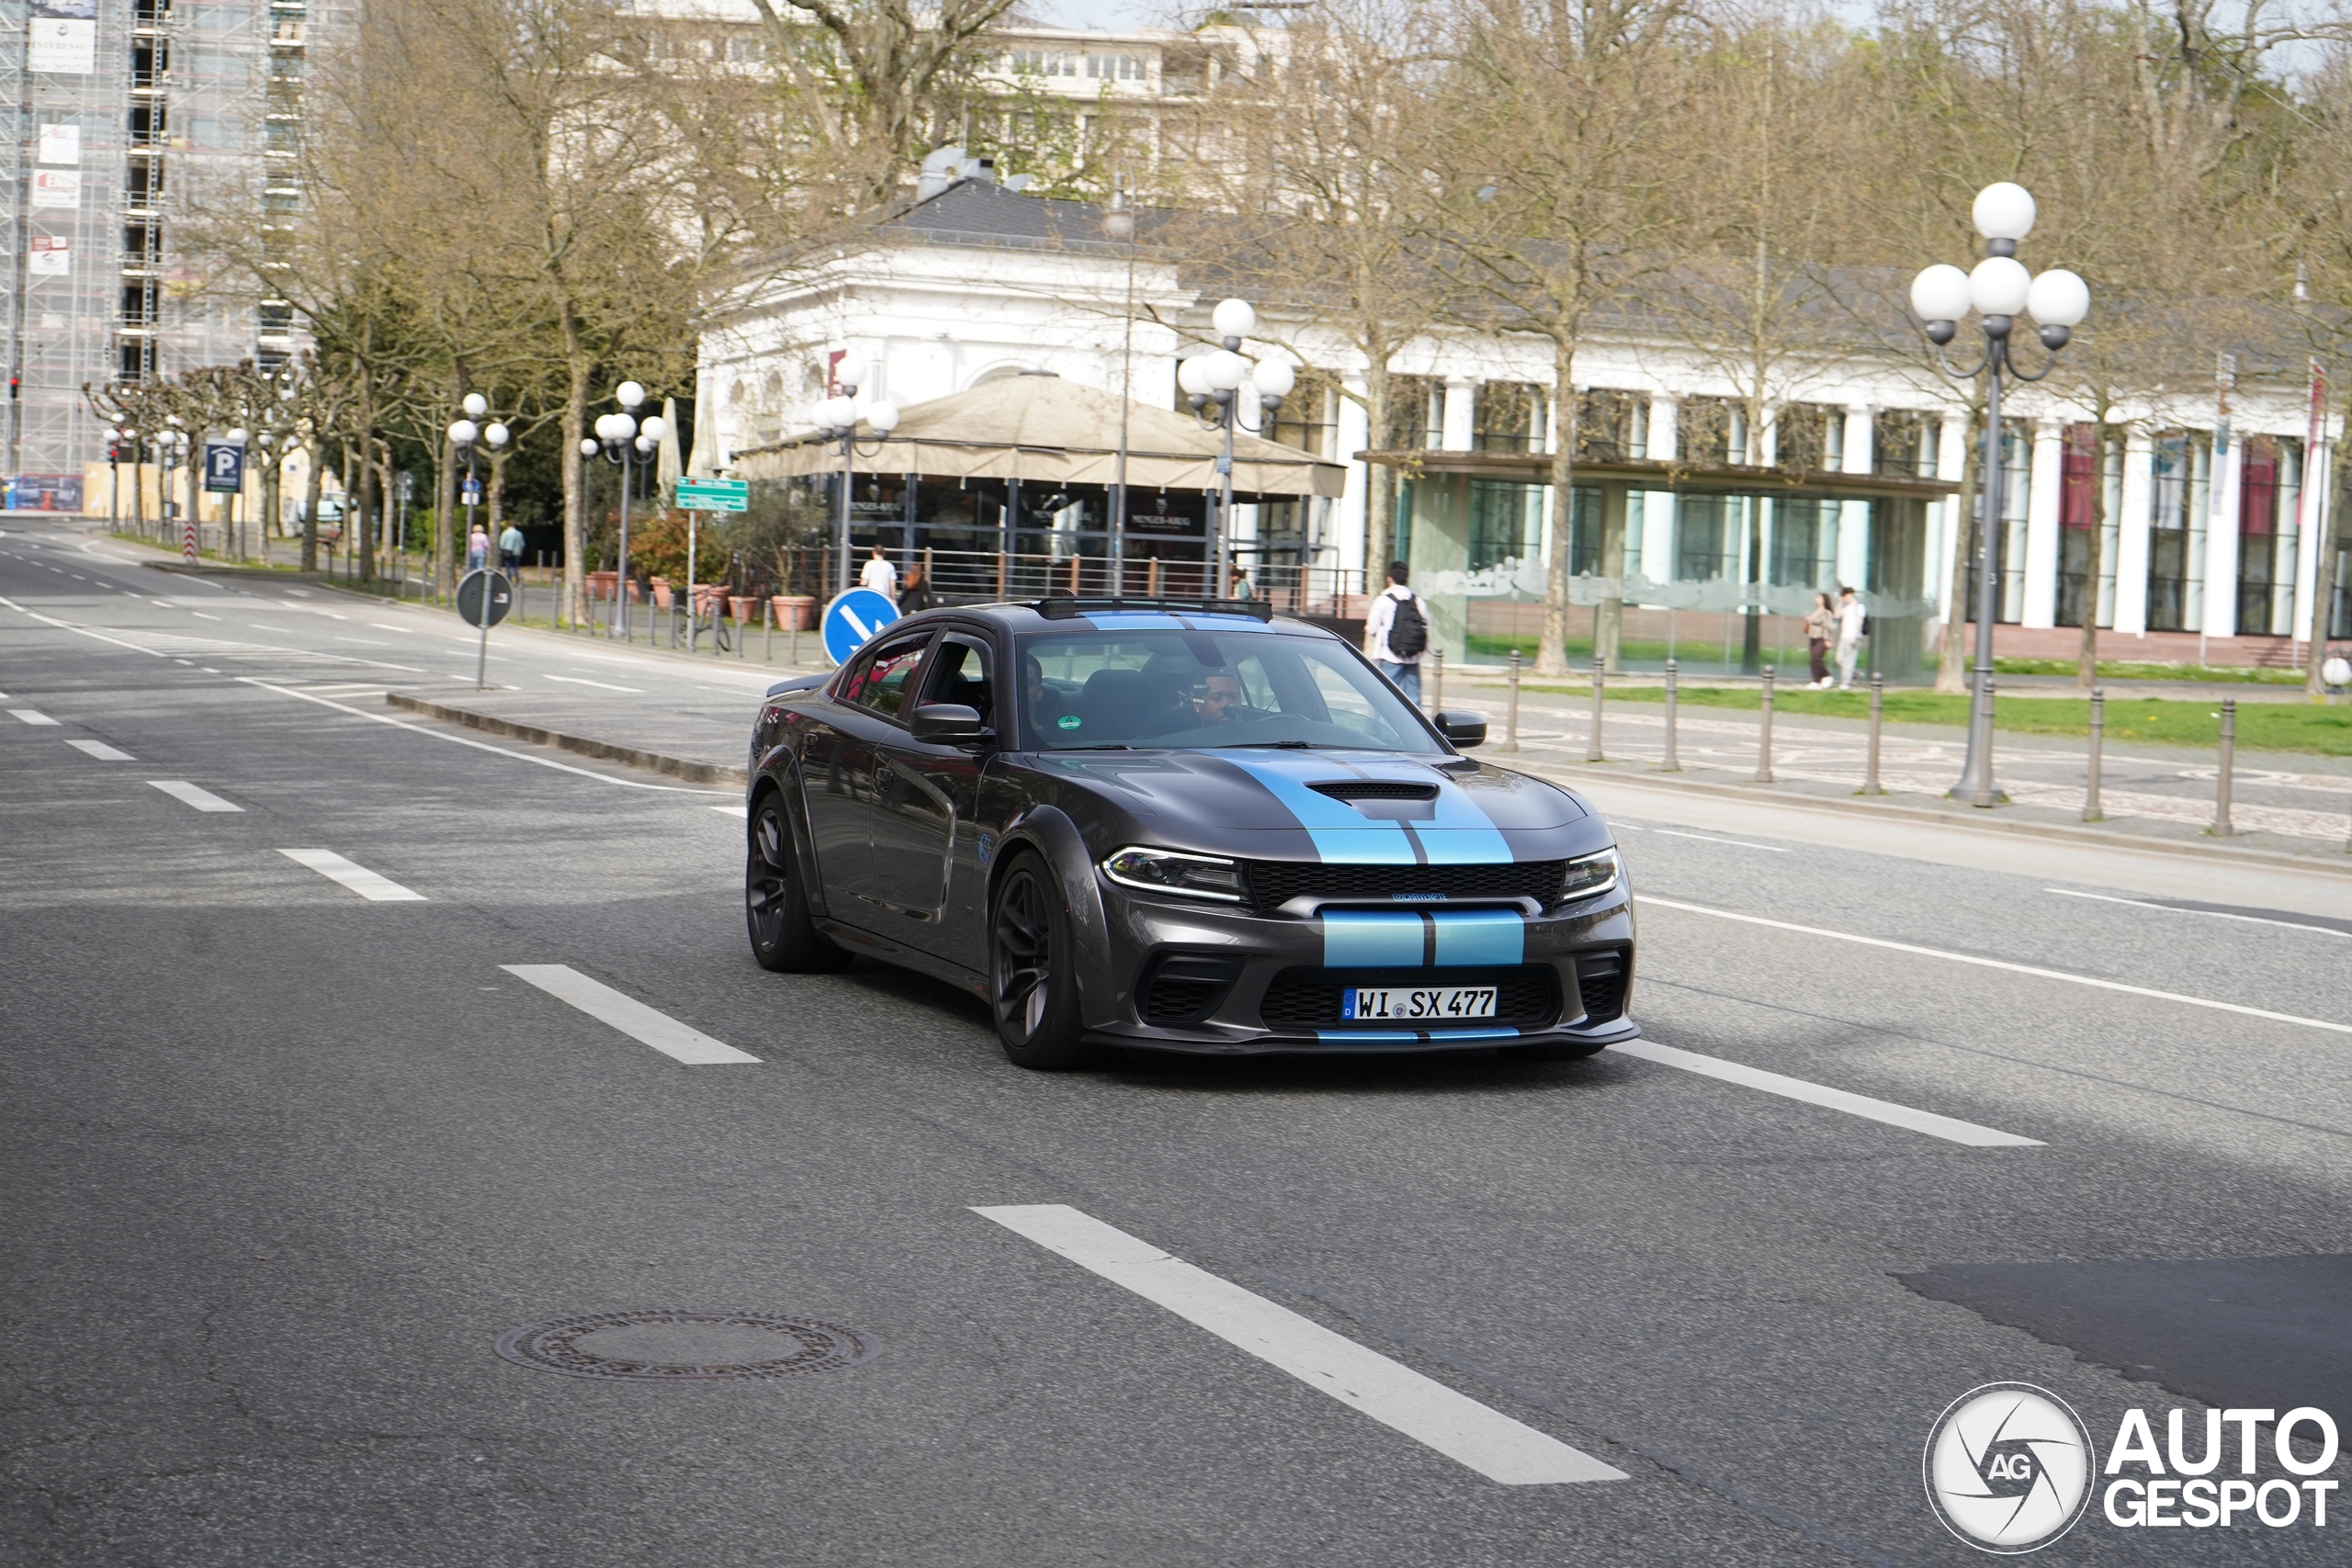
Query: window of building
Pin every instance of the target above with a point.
(2017, 493)
(1507, 521)
(1904, 442)
(1415, 412)
(1612, 426)
(1038, 62)
(2271, 483)
(1115, 67)
(2090, 496)
(1714, 432)
(2178, 499)
(1309, 418)
(1804, 543)
(1508, 416)
(1810, 437)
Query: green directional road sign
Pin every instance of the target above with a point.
(714, 495)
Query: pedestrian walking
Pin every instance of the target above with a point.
(1852, 622)
(1396, 633)
(880, 575)
(510, 550)
(1239, 584)
(477, 549)
(1820, 625)
(916, 596)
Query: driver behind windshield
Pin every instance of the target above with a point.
(1220, 701)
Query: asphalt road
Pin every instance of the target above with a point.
(280, 1163)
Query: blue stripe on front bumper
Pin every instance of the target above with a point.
(1363, 939)
(1466, 937)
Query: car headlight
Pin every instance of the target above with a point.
(1166, 871)
(1593, 874)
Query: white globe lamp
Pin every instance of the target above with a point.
(1940, 293)
(2004, 211)
(2058, 299)
(1234, 318)
(1998, 285)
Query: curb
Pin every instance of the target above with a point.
(654, 761)
(2105, 837)
(249, 573)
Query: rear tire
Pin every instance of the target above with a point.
(775, 905)
(1033, 992)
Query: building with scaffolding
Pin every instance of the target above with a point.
(122, 107)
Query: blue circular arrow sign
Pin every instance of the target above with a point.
(851, 618)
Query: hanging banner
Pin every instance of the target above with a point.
(56, 190)
(62, 38)
(51, 257)
(61, 143)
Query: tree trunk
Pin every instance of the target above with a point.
(575, 478)
(138, 490)
(496, 493)
(1951, 657)
(1552, 648)
(444, 505)
(359, 519)
(1379, 482)
(2087, 660)
(315, 465)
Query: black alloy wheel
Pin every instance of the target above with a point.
(776, 907)
(1033, 994)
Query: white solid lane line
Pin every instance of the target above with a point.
(743, 811)
(102, 751)
(32, 716)
(2209, 914)
(1886, 1110)
(202, 799)
(1711, 839)
(1422, 1408)
(628, 1015)
(376, 889)
(2032, 969)
(600, 685)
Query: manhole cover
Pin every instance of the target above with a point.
(685, 1346)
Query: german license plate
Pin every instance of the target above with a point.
(1438, 1004)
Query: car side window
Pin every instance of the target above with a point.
(960, 674)
(882, 686)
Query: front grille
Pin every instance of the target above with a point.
(1274, 882)
(1527, 997)
(1185, 989)
(1375, 789)
(1600, 985)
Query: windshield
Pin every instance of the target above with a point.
(1202, 690)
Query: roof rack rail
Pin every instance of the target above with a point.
(1064, 607)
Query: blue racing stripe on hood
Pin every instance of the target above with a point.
(1342, 835)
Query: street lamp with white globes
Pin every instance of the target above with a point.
(464, 434)
(623, 437)
(1212, 384)
(836, 420)
(1999, 290)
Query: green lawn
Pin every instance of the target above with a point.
(2261, 726)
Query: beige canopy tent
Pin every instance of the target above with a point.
(1039, 428)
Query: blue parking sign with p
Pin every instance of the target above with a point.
(224, 467)
(851, 618)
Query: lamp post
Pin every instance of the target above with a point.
(463, 436)
(1214, 380)
(1997, 291)
(1119, 224)
(622, 439)
(837, 421)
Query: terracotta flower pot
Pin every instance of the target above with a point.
(793, 612)
(663, 597)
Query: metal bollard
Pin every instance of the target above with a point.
(1437, 679)
(2091, 812)
(2221, 828)
(792, 653)
(1764, 736)
(1592, 752)
(1985, 797)
(1672, 761)
(1878, 707)
(767, 636)
(1510, 732)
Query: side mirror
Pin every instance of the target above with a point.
(952, 724)
(1465, 730)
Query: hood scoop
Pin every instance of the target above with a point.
(1353, 790)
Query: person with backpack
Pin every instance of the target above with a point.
(1396, 633)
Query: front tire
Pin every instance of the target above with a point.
(775, 905)
(1033, 992)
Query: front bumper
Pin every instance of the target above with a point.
(1251, 970)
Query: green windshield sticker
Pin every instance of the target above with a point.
(1069, 721)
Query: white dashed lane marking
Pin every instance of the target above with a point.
(376, 889)
(628, 1015)
(202, 799)
(32, 716)
(1425, 1410)
(102, 751)
(1884, 1111)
